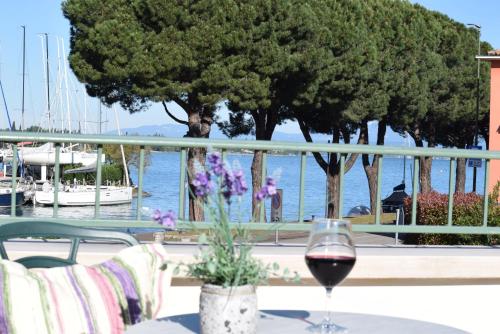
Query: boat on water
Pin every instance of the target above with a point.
(83, 195)
(45, 155)
(6, 197)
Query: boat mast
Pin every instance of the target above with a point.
(65, 68)
(24, 74)
(85, 111)
(124, 161)
(59, 84)
(47, 70)
(100, 117)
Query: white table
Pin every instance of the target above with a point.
(290, 322)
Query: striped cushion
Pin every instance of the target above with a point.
(104, 298)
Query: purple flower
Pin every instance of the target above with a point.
(227, 185)
(268, 190)
(239, 184)
(156, 215)
(203, 186)
(233, 184)
(166, 219)
(271, 186)
(216, 164)
(260, 195)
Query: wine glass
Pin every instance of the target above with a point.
(330, 256)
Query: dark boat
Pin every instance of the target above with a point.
(395, 201)
(6, 196)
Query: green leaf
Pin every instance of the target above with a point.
(211, 267)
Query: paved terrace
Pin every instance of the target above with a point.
(454, 286)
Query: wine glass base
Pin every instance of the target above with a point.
(327, 328)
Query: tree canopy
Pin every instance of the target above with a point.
(332, 65)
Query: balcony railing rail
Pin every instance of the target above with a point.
(183, 144)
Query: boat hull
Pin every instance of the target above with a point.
(6, 195)
(45, 155)
(85, 196)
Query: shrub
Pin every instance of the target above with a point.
(432, 209)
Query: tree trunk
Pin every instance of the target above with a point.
(332, 179)
(460, 176)
(256, 182)
(199, 127)
(331, 168)
(425, 175)
(372, 187)
(371, 171)
(200, 119)
(425, 164)
(196, 161)
(265, 123)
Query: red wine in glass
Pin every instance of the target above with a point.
(330, 256)
(329, 270)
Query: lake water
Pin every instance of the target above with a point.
(161, 180)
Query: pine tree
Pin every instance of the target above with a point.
(144, 51)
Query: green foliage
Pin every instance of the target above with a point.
(110, 173)
(226, 265)
(432, 209)
(260, 65)
(227, 259)
(131, 153)
(340, 76)
(141, 51)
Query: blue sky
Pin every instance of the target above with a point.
(46, 17)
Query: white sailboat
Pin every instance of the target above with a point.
(45, 155)
(83, 195)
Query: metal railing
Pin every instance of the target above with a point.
(183, 144)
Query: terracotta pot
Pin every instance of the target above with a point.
(228, 310)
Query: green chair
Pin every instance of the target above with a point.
(55, 230)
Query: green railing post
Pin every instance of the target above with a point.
(140, 179)
(378, 204)
(486, 193)
(263, 176)
(57, 178)
(451, 190)
(182, 184)
(98, 181)
(414, 192)
(303, 160)
(13, 193)
(340, 204)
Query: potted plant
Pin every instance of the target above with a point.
(225, 265)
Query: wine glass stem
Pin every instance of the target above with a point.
(328, 318)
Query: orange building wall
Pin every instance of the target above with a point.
(494, 143)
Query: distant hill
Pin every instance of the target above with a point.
(178, 130)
